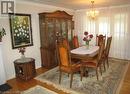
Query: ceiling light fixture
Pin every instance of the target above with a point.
(92, 14)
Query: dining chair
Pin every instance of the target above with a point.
(106, 51)
(65, 63)
(94, 63)
(66, 43)
(75, 42)
(99, 39)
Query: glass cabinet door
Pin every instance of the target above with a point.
(50, 33)
(69, 30)
(57, 28)
(42, 33)
(70, 33)
(64, 28)
(51, 39)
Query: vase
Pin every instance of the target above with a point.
(23, 56)
(87, 44)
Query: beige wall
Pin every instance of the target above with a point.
(9, 54)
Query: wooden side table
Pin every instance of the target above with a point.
(25, 68)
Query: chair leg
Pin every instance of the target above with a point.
(85, 71)
(71, 79)
(68, 74)
(100, 70)
(60, 77)
(104, 65)
(81, 73)
(97, 73)
(107, 63)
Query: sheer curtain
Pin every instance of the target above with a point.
(112, 21)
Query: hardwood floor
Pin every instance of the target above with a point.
(125, 88)
(19, 85)
(23, 85)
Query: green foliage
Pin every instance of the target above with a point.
(2, 32)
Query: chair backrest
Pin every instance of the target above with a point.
(66, 43)
(64, 55)
(99, 39)
(100, 53)
(75, 42)
(109, 39)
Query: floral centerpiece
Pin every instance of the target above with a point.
(87, 38)
(22, 51)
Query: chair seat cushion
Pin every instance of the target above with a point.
(73, 68)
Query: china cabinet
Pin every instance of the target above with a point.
(58, 23)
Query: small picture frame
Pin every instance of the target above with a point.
(21, 30)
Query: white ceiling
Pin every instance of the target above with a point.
(81, 4)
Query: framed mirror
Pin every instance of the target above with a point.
(21, 30)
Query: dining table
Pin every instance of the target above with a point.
(84, 52)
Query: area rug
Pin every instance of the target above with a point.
(108, 83)
(38, 90)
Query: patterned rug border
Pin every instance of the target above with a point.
(119, 85)
(36, 87)
(59, 87)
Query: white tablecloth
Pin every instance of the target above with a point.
(91, 50)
